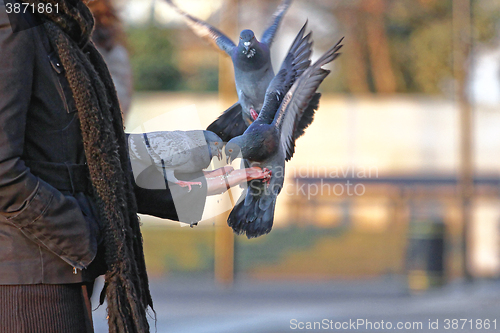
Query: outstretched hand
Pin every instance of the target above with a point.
(222, 179)
(257, 173)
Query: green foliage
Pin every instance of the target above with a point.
(486, 18)
(154, 55)
(420, 40)
(420, 34)
(420, 37)
(205, 78)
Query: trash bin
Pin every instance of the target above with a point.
(426, 246)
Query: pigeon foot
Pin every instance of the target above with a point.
(182, 183)
(267, 179)
(254, 114)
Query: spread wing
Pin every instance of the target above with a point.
(268, 35)
(295, 63)
(296, 101)
(206, 31)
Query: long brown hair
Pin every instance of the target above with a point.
(108, 30)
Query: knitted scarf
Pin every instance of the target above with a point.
(127, 289)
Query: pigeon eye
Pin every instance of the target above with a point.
(216, 143)
(230, 150)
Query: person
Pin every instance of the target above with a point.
(109, 39)
(68, 201)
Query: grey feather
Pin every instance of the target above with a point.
(290, 95)
(229, 124)
(176, 151)
(206, 31)
(270, 140)
(298, 98)
(268, 35)
(253, 70)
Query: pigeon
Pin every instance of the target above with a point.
(253, 70)
(270, 141)
(176, 151)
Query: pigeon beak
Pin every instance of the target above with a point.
(246, 45)
(219, 154)
(227, 159)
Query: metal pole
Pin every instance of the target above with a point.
(462, 43)
(224, 238)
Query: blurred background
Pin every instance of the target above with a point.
(392, 197)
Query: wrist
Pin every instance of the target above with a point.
(225, 179)
(237, 177)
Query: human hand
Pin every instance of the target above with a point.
(222, 183)
(257, 173)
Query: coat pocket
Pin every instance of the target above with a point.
(56, 222)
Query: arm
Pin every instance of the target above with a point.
(154, 198)
(157, 197)
(162, 199)
(39, 211)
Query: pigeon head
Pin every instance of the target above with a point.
(214, 144)
(248, 41)
(233, 150)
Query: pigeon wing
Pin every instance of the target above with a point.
(297, 100)
(268, 35)
(205, 30)
(307, 117)
(295, 63)
(230, 124)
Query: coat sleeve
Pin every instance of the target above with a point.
(156, 197)
(38, 210)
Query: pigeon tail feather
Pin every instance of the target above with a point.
(253, 215)
(250, 220)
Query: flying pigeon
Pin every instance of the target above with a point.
(270, 140)
(176, 151)
(253, 70)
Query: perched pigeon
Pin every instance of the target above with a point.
(270, 140)
(176, 151)
(253, 70)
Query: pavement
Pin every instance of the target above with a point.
(379, 305)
